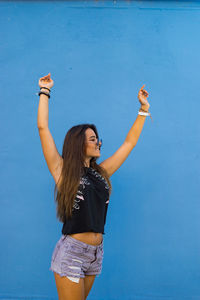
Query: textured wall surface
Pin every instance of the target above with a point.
(100, 53)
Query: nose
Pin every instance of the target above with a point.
(99, 142)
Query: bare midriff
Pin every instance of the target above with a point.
(91, 238)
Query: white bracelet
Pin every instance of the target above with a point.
(143, 113)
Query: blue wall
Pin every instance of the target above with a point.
(99, 55)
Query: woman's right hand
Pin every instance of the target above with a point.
(46, 81)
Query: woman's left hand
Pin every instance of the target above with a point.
(142, 96)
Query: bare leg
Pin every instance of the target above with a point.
(69, 290)
(88, 282)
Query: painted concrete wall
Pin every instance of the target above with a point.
(99, 54)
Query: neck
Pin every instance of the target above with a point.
(87, 163)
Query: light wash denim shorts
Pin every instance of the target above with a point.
(75, 259)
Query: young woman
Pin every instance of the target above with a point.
(83, 190)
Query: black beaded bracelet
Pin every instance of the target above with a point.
(43, 93)
(45, 88)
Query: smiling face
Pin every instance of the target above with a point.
(92, 150)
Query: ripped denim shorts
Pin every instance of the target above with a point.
(75, 259)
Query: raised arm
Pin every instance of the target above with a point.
(53, 159)
(113, 163)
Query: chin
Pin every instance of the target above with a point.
(97, 155)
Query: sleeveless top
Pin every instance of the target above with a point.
(90, 205)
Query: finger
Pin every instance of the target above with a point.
(46, 76)
(142, 87)
(145, 92)
(46, 79)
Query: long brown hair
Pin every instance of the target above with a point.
(73, 154)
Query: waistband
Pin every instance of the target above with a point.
(82, 244)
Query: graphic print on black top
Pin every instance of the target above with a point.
(102, 178)
(79, 196)
(90, 205)
(84, 181)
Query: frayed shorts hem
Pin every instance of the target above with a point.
(97, 273)
(66, 275)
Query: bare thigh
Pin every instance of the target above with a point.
(88, 282)
(69, 290)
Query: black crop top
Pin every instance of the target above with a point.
(90, 205)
